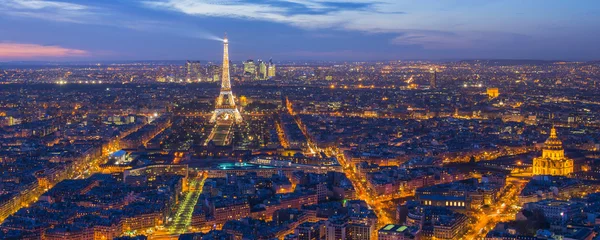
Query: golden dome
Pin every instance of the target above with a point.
(553, 160)
(553, 143)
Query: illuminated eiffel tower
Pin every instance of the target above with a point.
(225, 109)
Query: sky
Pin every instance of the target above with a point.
(348, 30)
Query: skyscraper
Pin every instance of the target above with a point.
(225, 109)
(262, 70)
(213, 73)
(193, 70)
(249, 69)
(432, 78)
(271, 69)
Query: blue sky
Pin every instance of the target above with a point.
(299, 29)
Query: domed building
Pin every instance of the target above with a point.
(553, 160)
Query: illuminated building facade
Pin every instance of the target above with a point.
(249, 67)
(437, 222)
(271, 69)
(310, 231)
(193, 70)
(225, 108)
(553, 160)
(433, 78)
(262, 68)
(493, 93)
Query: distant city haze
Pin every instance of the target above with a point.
(94, 30)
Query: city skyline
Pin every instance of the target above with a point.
(298, 30)
(299, 120)
(388, 150)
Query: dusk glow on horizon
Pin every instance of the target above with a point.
(32, 51)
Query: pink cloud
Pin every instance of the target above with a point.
(26, 51)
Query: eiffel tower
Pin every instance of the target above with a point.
(225, 109)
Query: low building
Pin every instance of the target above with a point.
(397, 232)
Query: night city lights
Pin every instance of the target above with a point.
(300, 120)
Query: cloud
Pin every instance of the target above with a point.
(383, 16)
(459, 39)
(37, 4)
(233, 9)
(311, 14)
(411, 23)
(28, 51)
(49, 10)
(58, 11)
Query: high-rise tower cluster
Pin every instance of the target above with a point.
(259, 70)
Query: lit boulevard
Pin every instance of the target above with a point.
(504, 210)
(180, 221)
(363, 192)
